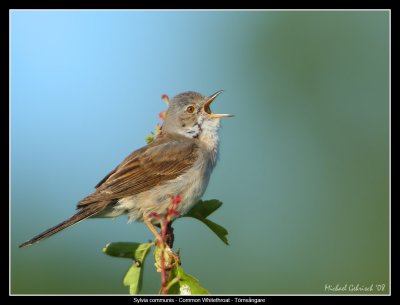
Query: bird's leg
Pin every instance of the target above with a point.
(164, 241)
(154, 230)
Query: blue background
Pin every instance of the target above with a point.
(304, 167)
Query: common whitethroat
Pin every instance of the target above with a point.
(178, 162)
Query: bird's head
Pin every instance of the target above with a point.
(189, 114)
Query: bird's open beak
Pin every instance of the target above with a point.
(207, 109)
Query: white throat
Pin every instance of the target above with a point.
(209, 133)
(205, 130)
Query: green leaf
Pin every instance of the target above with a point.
(220, 231)
(121, 249)
(133, 278)
(203, 209)
(186, 284)
(149, 138)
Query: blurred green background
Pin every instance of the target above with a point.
(304, 165)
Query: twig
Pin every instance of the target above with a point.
(165, 241)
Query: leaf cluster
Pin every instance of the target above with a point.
(179, 282)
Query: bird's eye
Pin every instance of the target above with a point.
(190, 109)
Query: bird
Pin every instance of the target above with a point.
(178, 162)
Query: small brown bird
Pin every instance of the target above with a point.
(179, 161)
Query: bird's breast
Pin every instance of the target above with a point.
(190, 186)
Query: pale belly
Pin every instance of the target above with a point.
(190, 186)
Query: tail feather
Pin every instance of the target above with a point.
(79, 216)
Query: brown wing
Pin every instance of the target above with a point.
(132, 155)
(161, 161)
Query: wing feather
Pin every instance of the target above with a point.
(163, 160)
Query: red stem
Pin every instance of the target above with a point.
(164, 222)
(163, 275)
